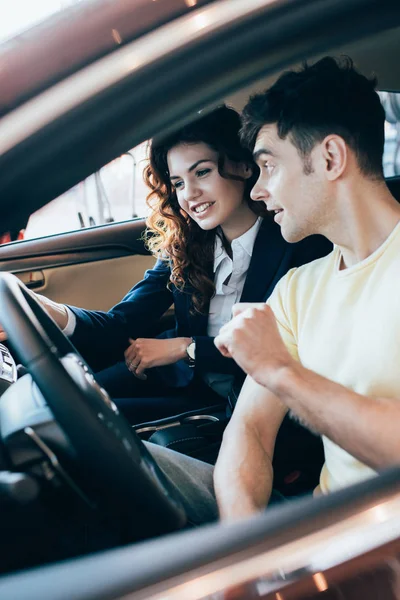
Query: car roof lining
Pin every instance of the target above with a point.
(50, 168)
(376, 55)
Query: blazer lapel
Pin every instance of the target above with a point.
(268, 252)
(269, 249)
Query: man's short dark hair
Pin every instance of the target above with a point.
(327, 97)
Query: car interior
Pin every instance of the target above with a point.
(75, 479)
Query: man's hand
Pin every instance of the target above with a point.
(252, 339)
(145, 353)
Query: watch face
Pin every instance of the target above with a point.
(191, 350)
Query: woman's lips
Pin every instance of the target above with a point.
(205, 212)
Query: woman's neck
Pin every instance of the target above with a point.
(239, 223)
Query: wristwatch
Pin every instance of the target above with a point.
(191, 353)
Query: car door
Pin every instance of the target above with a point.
(91, 268)
(86, 247)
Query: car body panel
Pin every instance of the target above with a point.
(294, 552)
(75, 37)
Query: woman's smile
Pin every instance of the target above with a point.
(211, 195)
(202, 210)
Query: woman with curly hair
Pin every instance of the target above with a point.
(213, 248)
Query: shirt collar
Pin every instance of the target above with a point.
(246, 241)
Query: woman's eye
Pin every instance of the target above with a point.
(269, 167)
(202, 172)
(178, 185)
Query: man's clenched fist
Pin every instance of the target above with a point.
(252, 339)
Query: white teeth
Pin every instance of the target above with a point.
(202, 207)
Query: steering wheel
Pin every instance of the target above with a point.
(112, 463)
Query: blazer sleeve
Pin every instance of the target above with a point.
(101, 337)
(210, 360)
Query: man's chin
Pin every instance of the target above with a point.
(291, 236)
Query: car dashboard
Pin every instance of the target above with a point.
(8, 369)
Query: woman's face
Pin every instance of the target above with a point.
(208, 198)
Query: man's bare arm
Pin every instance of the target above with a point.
(243, 473)
(367, 428)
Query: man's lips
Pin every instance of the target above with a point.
(274, 209)
(278, 212)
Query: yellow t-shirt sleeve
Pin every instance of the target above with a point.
(282, 305)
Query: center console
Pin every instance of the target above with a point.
(197, 433)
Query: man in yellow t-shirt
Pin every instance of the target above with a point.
(327, 345)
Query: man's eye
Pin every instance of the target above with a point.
(268, 167)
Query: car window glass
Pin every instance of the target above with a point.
(115, 193)
(391, 154)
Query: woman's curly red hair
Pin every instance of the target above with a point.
(171, 234)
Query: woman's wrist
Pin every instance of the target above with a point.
(58, 312)
(184, 343)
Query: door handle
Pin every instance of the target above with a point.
(32, 279)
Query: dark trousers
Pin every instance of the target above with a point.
(152, 399)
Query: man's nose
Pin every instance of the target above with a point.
(259, 191)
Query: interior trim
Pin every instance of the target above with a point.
(35, 114)
(85, 245)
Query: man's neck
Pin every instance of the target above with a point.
(366, 216)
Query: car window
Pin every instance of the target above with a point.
(115, 193)
(391, 154)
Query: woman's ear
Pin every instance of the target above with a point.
(246, 171)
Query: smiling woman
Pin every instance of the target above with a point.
(201, 180)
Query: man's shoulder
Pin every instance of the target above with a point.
(308, 274)
(293, 293)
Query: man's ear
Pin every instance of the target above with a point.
(335, 156)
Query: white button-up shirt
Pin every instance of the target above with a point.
(229, 280)
(230, 276)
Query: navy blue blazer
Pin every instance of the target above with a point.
(102, 337)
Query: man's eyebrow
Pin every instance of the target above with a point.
(261, 151)
(196, 164)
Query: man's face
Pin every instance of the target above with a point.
(297, 196)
